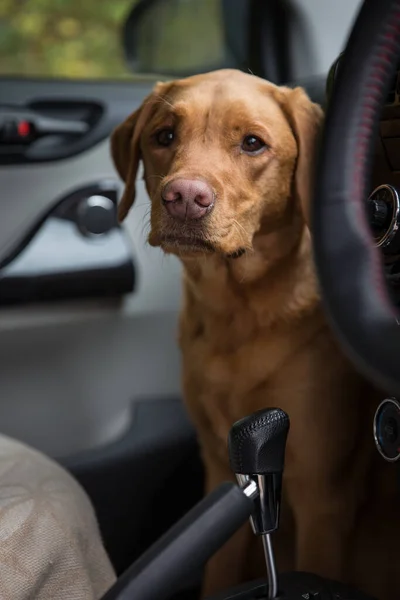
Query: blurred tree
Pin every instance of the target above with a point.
(63, 38)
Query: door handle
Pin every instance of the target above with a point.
(21, 126)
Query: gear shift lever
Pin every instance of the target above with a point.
(257, 452)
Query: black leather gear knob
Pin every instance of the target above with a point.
(257, 443)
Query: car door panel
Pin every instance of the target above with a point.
(70, 369)
(77, 250)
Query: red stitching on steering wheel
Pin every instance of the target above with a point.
(369, 109)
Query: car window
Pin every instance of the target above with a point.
(82, 39)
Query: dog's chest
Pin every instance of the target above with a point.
(232, 366)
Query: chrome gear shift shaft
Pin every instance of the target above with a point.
(257, 453)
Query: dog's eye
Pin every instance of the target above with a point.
(253, 145)
(165, 137)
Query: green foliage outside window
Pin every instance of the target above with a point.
(63, 38)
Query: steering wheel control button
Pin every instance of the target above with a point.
(383, 209)
(379, 214)
(96, 215)
(387, 429)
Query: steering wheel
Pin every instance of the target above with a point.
(349, 266)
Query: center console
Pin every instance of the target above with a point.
(256, 452)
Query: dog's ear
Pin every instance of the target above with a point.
(125, 145)
(305, 119)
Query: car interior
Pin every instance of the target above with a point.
(90, 368)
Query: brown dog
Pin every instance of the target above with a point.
(228, 167)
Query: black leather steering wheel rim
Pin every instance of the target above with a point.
(349, 266)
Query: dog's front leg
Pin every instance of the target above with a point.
(324, 524)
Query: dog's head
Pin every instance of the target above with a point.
(224, 155)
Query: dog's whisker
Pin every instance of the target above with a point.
(164, 100)
(240, 226)
(146, 223)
